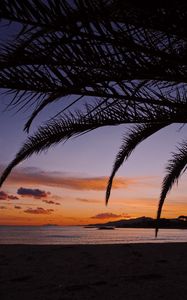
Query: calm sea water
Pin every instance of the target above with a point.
(52, 235)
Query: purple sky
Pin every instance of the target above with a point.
(89, 156)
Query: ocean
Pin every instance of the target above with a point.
(70, 235)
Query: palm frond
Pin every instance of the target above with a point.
(135, 136)
(128, 62)
(176, 166)
(63, 128)
(66, 49)
(48, 135)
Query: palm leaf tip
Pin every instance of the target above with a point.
(156, 232)
(175, 168)
(157, 221)
(108, 190)
(133, 138)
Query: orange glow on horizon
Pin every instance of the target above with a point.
(137, 209)
(83, 201)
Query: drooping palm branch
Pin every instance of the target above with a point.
(102, 49)
(136, 135)
(122, 64)
(63, 128)
(176, 166)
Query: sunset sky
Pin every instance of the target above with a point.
(67, 184)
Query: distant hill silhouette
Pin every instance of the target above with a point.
(146, 222)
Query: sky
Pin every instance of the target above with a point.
(66, 185)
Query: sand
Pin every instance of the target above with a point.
(131, 271)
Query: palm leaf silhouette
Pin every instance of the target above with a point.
(61, 129)
(66, 49)
(175, 167)
(121, 63)
(134, 137)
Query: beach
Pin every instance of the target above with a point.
(123, 271)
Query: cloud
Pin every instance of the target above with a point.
(36, 193)
(88, 200)
(109, 216)
(3, 207)
(11, 197)
(51, 202)
(5, 196)
(17, 207)
(35, 176)
(39, 210)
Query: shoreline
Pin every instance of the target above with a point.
(111, 271)
(92, 244)
(82, 236)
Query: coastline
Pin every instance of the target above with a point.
(116, 271)
(84, 236)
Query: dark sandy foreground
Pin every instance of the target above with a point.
(135, 271)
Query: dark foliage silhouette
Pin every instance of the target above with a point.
(120, 62)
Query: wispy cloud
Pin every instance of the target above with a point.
(51, 202)
(88, 200)
(17, 207)
(38, 211)
(35, 176)
(6, 196)
(12, 197)
(3, 207)
(109, 216)
(3, 195)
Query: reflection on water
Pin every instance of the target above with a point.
(79, 235)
